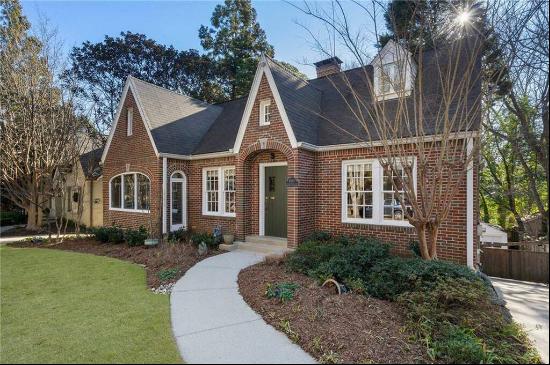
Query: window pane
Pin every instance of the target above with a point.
(212, 183)
(359, 191)
(177, 208)
(116, 192)
(144, 188)
(129, 186)
(229, 190)
(177, 175)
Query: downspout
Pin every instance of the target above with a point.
(470, 206)
(164, 171)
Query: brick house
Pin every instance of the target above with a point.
(267, 164)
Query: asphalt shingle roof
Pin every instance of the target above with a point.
(321, 111)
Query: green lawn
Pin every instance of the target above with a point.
(60, 307)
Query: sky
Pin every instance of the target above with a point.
(177, 22)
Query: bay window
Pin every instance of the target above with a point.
(369, 193)
(130, 192)
(219, 196)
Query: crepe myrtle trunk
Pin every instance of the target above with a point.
(427, 233)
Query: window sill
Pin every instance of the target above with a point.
(223, 215)
(143, 211)
(373, 222)
(265, 124)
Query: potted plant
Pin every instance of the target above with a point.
(228, 238)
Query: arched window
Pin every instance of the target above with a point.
(130, 192)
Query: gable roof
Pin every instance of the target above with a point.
(90, 163)
(321, 112)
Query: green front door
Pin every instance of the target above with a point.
(275, 201)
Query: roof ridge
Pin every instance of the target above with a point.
(289, 73)
(169, 91)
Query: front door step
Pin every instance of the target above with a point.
(270, 246)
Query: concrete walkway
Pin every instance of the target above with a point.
(528, 304)
(213, 324)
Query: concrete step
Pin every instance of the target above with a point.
(267, 240)
(267, 249)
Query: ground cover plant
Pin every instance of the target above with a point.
(66, 307)
(448, 309)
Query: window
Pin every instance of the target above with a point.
(229, 190)
(265, 112)
(393, 209)
(369, 194)
(219, 196)
(143, 189)
(130, 121)
(392, 78)
(359, 190)
(130, 192)
(116, 191)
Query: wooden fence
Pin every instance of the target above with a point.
(515, 264)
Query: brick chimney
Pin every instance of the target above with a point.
(328, 67)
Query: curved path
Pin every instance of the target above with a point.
(213, 324)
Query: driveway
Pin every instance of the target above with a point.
(528, 304)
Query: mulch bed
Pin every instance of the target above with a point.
(347, 328)
(182, 256)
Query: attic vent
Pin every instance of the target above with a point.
(327, 67)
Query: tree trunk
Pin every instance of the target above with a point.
(423, 242)
(34, 218)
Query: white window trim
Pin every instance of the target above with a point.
(122, 209)
(377, 195)
(263, 104)
(182, 180)
(221, 196)
(130, 122)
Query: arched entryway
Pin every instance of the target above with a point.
(265, 196)
(178, 201)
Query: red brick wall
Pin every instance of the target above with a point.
(328, 182)
(193, 171)
(137, 151)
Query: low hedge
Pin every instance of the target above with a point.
(447, 307)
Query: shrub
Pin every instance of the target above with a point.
(116, 234)
(168, 274)
(179, 236)
(108, 234)
(14, 217)
(136, 237)
(389, 278)
(207, 238)
(320, 236)
(282, 291)
(344, 259)
(100, 233)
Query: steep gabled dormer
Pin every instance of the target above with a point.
(394, 72)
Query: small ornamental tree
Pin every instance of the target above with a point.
(419, 103)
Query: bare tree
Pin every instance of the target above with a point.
(521, 30)
(419, 104)
(38, 126)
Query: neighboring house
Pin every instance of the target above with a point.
(83, 197)
(269, 164)
(493, 234)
